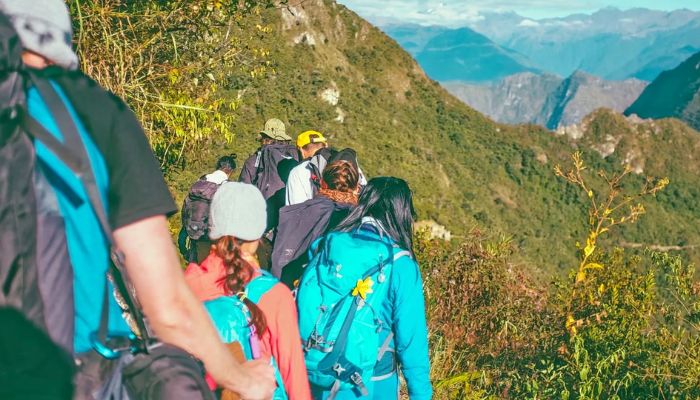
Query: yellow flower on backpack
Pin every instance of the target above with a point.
(363, 287)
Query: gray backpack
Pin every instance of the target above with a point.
(195, 210)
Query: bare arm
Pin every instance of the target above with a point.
(175, 314)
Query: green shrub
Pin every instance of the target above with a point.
(621, 326)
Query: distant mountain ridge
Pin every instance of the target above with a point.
(546, 99)
(459, 54)
(610, 43)
(675, 93)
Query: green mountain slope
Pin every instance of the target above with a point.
(336, 73)
(675, 93)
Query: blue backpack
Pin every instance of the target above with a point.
(339, 300)
(232, 320)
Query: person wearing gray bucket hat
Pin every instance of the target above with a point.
(274, 133)
(238, 210)
(44, 28)
(232, 274)
(70, 253)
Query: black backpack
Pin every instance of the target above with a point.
(269, 177)
(18, 209)
(36, 291)
(317, 164)
(326, 156)
(195, 209)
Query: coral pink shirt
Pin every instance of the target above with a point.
(281, 340)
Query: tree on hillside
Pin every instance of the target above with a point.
(173, 62)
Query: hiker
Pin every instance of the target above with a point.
(193, 240)
(274, 132)
(299, 185)
(301, 224)
(268, 169)
(305, 180)
(232, 285)
(368, 262)
(90, 150)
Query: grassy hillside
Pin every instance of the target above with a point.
(466, 170)
(317, 65)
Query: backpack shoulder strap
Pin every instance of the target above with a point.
(74, 154)
(257, 287)
(402, 253)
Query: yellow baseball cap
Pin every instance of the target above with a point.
(307, 137)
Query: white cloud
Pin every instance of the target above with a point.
(462, 12)
(528, 23)
(453, 13)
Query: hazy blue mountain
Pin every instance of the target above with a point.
(546, 99)
(610, 43)
(675, 93)
(613, 44)
(465, 55)
(412, 37)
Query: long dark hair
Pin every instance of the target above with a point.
(238, 273)
(389, 201)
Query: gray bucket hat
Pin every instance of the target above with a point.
(44, 27)
(274, 129)
(238, 210)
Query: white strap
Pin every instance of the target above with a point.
(385, 346)
(402, 253)
(334, 390)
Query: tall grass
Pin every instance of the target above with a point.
(172, 62)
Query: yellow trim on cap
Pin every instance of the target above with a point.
(305, 138)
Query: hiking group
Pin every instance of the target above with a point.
(300, 280)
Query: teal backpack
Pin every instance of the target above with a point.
(232, 319)
(339, 300)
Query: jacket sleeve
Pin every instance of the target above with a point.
(410, 328)
(285, 343)
(248, 170)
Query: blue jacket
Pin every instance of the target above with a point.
(404, 312)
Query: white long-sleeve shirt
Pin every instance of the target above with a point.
(299, 185)
(217, 177)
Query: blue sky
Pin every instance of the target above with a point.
(435, 11)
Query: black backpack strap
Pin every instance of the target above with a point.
(74, 154)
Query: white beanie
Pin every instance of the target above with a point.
(44, 27)
(238, 210)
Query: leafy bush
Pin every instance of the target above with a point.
(621, 326)
(172, 61)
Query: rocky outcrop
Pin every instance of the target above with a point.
(547, 100)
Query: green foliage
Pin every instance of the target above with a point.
(621, 326)
(171, 61)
